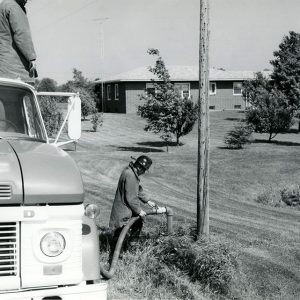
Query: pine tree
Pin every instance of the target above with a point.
(286, 73)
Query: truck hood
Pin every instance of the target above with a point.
(49, 174)
(11, 186)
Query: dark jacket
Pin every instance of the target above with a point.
(16, 46)
(128, 198)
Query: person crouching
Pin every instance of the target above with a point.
(128, 199)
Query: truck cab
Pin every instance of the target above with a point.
(49, 247)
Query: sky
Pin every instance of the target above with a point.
(105, 37)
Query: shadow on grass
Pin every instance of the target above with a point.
(229, 148)
(88, 130)
(235, 119)
(293, 130)
(159, 144)
(72, 147)
(138, 149)
(281, 143)
(69, 150)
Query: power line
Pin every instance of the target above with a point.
(55, 22)
(35, 12)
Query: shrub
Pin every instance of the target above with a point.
(176, 267)
(239, 136)
(88, 104)
(47, 85)
(97, 120)
(209, 262)
(291, 196)
(270, 197)
(162, 275)
(51, 115)
(288, 196)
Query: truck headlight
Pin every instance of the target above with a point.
(53, 244)
(92, 211)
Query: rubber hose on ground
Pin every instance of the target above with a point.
(108, 274)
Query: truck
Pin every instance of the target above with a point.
(49, 246)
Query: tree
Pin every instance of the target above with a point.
(269, 110)
(52, 117)
(286, 72)
(84, 87)
(166, 112)
(78, 81)
(88, 104)
(47, 85)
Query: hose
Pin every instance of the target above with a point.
(108, 274)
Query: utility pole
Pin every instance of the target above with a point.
(203, 124)
(101, 21)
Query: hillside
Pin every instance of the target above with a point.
(269, 237)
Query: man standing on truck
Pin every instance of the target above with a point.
(128, 198)
(17, 54)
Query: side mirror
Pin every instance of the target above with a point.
(74, 120)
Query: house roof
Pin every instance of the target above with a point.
(182, 73)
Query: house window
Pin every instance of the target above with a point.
(237, 88)
(108, 90)
(237, 106)
(183, 89)
(150, 89)
(212, 88)
(212, 107)
(116, 92)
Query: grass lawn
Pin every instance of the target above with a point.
(269, 238)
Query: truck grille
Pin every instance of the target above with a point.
(5, 192)
(9, 256)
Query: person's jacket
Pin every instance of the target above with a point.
(16, 46)
(128, 198)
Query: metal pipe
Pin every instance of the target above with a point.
(169, 213)
(169, 219)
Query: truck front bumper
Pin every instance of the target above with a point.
(96, 291)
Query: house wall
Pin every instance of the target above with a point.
(133, 92)
(224, 98)
(113, 105)
(129, 97)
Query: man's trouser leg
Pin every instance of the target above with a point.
(135, 231)
(131, 237)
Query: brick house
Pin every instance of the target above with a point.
(121, 92)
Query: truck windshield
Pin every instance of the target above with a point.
(19, 116)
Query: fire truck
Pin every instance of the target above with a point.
(49, 247)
